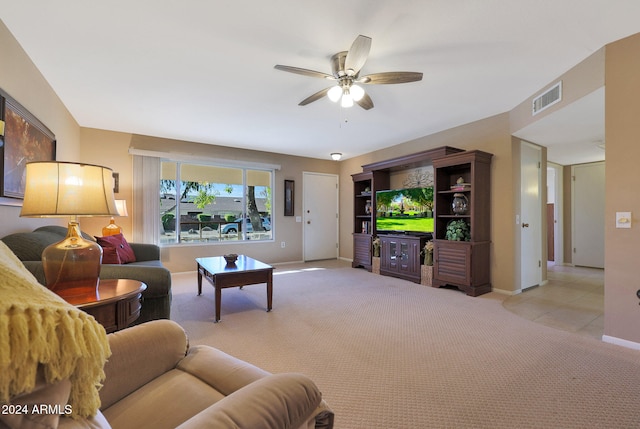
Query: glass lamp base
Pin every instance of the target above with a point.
(73, 262)
(111, 229)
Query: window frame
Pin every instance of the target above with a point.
(242, 237)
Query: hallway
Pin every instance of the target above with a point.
(572, 300)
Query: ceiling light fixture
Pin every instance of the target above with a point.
(335, 93)
(356, 92)
(346, 92)
(336, 156)
(347, 99)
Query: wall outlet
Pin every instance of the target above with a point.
(623, 219)
(283, 244)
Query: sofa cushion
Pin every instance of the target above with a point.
(28, 246)
(224, 372)
(163, 403)
(277, 401)
(165, 340)
(118, 242)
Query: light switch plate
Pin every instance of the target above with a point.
(623, 219)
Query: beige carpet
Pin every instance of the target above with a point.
(387, 353)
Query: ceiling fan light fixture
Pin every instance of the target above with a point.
(334, 94)
(347, 99)
(356, 92)
(345, 71)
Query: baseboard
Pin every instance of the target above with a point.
(286, 263)
(620, 342)
(506, 292)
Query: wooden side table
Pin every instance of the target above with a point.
(115, 303)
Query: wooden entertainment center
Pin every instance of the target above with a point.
(463, 264)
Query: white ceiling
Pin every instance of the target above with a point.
(202, 71)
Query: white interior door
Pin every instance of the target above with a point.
(588, 214)
(530, 216)
(320, 220)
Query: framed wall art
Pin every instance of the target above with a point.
(288, 197)
(25, 139)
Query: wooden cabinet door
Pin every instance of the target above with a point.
(361, 251)
(452, 262)
(408, 259)
(387, 254)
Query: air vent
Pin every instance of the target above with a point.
(549, 98)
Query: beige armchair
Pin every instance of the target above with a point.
(53, 358)
(154, 379)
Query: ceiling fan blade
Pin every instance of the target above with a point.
(304, 72)
(317, 96)
(365, 102)
(357, 55)
(390, 78)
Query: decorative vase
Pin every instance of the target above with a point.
(460, 204)
(375, 265)
(426, 275)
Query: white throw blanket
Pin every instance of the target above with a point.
(40, 329)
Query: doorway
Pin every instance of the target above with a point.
(555, 214)
(588, 214)
(530, 215)
(320, 220)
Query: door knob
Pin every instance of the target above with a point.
(308, 222)
(525, 225)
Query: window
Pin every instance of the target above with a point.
(210, 203)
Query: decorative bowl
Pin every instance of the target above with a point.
(231, 258)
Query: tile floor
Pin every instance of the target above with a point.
(572, 300)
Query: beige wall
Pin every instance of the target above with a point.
(181, 257)
(22, 81)
(110, 149)
(579, 81)
(622, 132)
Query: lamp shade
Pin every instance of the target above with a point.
(68, 189)
(121, 205)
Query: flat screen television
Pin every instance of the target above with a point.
(408, 211)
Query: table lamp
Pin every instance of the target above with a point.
(55, 189)
(112, 228)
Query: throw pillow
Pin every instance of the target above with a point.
(110, 256)
(117, 241)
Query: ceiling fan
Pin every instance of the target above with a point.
(345, 71)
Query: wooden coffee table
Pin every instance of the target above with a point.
(115, 303)
(245, 271)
